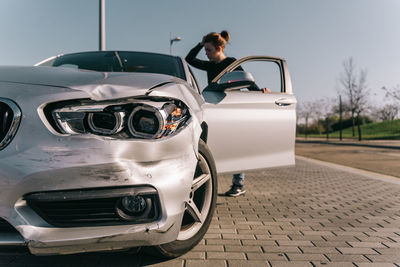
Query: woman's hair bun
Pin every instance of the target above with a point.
(217, 39)
(225, 34)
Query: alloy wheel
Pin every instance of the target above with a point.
(199, 203)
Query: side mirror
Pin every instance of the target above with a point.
(234, 79)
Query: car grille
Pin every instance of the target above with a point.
(5, 227)
(10, 116)
(78, 208)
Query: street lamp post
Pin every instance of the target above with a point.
(171, 41)
(102, 25)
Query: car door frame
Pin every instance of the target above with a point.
(286, 83)
(282, 102)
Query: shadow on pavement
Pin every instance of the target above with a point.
(22, 257)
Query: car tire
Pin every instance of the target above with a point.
(199, 209)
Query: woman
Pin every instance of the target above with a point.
(214, 45)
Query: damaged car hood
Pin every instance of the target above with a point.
(99, 85)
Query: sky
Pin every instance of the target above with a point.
(314, 36)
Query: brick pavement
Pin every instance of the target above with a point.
(308, 215)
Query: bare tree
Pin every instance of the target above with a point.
(320, 107)
(348, 79)
(305, 110)
(345, 108)
(388, 112)
(355, 88)
(360, 99)
(327, 110)
(393, 92)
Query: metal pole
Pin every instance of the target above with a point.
(340, 118)
(102, 25)
(171, 41)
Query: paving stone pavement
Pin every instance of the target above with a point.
(307, 215)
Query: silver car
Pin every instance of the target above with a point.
(110, 150)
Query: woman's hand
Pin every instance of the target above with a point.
(265, 90)
(202, 40)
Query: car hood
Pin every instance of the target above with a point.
(99, 85)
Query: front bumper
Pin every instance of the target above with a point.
(81, 163)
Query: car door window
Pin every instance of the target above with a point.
(266, 74)
(279, 81)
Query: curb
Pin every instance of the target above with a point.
(347, 144)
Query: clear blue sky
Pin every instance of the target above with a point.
(315, 36)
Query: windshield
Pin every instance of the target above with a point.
(117, 61)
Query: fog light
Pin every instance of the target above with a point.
(134, 208)
(133, 204)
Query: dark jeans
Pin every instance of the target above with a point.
(238, 179)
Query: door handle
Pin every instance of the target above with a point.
(285, 102)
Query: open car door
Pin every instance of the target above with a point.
(249, 129)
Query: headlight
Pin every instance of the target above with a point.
(146, 121)
(106, 122)
(150, 122)
(122, 119)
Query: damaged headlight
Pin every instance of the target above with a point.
(121, 119)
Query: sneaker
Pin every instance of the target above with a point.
(235, 191)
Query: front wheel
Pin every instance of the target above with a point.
(199, 208)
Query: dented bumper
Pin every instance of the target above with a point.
(38, 161)
(167, 166)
